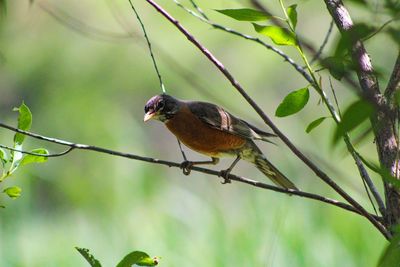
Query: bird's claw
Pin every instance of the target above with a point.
(225, 175)
(186, 167)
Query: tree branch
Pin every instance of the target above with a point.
(383, 122)
(364, 68)
(268, 121)
(241, 179)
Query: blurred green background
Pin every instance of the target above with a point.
(90, 87)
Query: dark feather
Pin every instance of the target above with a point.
(219, 118)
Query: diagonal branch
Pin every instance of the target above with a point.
(241, 179)
(394, 82)
(268, 121)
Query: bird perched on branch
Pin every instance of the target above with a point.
(212, 131)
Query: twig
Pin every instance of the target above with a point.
(241, 179)
(394, 82)
(199, 9)
(297, 67)
(363, 172)
(268, 121)
(149, 46)
(38, 154)
(321, 48)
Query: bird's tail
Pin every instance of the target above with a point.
(273, 173)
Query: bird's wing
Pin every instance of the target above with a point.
(220, 119)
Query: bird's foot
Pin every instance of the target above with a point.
(186, 167)
(225, 175)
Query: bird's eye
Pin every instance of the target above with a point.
(160, 105)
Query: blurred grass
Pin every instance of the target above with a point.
(90, 91)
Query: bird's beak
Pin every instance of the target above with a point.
(148, 116)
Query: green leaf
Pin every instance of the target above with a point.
(391, 255)
(13, 191)
(89, 257)
(278, 35)
(314, 124)
(139, 258)
(24, 122)
(245, 14)
(3, 156)
(33, 158)
(293, 102)
(292, 14)
(335, 66)
(3, 7)
(353, 116)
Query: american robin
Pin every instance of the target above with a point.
(212, 131)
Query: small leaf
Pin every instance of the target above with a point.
(33, 158)
(292, 14)
(3, 156)
(89, 257)
(13, 191)
(391, 255)
(353, 116)
(293, 102)
(314, 124)
(24, 122)
(245, 14)
(139, 258)
(278, 35)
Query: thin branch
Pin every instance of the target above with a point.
(297, 67)
(199, 9)
(38, 154)
(149, 46)
(394, 82)
(237, 178)
(321, 48)
(268, 121)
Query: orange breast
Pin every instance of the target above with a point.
(200, 137)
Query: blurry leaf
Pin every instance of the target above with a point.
(353, 116)
(394, 34)
(346, 39)
(15, 158)
(335, 66)
(391, 255)
(292, 14)
(280, 36)
(89, 257)
(3, 7)
(3, 156)
(314, 124)
(33, 158)
(24, 122)
(245, 14)
(139, 258)
(13, 191)
(293, 103)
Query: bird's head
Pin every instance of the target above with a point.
(161, 107)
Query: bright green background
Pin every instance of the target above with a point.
(86, 90)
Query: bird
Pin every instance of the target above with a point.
(212, 131)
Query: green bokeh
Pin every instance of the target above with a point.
(91, 91)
